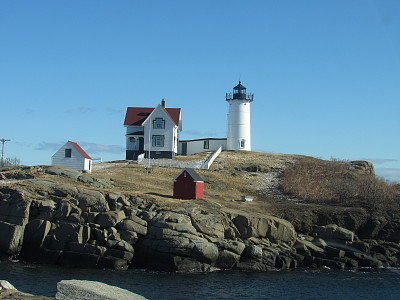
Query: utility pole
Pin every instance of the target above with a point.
(2, 150)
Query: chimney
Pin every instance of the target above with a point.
(163, 103)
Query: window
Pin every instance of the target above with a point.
(242, 143)
(68, 152)
(206, 145)
(132, 139)
(158, 141)
(158, 123)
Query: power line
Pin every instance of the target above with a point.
(2, 150)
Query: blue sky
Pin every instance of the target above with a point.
(325, 74)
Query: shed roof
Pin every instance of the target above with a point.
(196, 177)
(80, 150)
(137, 115)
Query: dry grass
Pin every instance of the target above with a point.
(335, 183)
(194, 157)
(224, 186)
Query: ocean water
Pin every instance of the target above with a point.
(298, 284)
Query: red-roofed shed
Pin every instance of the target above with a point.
(188, 185)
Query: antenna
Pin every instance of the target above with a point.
(2, 150)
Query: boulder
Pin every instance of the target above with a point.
(35, 233)
(231, 246)
(11, 239)
(364, 260)
(83, 289)
(14, 208)
(133, 225)
(128, 236)
(123, 246)
(303, 246)
(254, 252)
(113, 198)
(64, 190)
(205, 252)
(173, 220)
(5, 285)
(278, 230)
(147, 215)
(334, 232)
(63, 210)
(227, 259)
(210, 224)
(62, 171)
(92, 199)
(283, 262)
(58, 237)
(109, 218)
(188, 265)
(82, 234)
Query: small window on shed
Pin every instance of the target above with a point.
(206, 145)
(68, 152)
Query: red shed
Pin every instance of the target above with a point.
(188, 185)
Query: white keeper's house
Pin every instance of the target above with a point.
(155, 131)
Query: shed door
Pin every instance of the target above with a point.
(184, 148)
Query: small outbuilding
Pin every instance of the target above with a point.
(188, 185)
(71, 155)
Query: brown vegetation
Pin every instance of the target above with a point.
(336, 183)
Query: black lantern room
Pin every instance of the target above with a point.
(239, 93)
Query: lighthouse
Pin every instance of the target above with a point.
(239, 136)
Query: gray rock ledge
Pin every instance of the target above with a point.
(93, 290)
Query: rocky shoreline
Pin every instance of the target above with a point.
(88, 226)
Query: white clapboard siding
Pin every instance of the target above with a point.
(169, 131)
(77, 161)
(197, 146)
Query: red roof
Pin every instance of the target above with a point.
(80, 150)
(137, 115)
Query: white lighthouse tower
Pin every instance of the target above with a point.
(239, 137)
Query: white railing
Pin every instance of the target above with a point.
(208, 162)
(172, 163)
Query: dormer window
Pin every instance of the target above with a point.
(158, 123)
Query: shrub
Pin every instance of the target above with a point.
(337, 183)
(8, 162)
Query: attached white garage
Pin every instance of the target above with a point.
(71, 155)
(190, 147)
